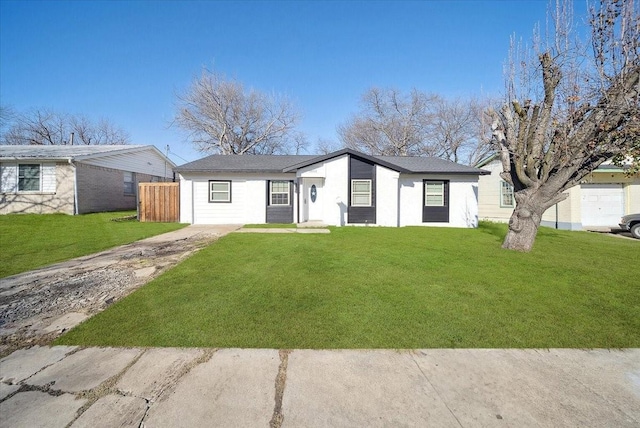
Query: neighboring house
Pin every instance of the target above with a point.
(77, 179)
(344, 187)
(599, 200)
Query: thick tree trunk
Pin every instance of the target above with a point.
(523, 228)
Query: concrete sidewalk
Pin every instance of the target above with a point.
(168, 387)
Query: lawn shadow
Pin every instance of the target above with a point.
(499, 230)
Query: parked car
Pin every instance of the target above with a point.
(631, 222)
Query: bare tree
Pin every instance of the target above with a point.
(570, 107)
(221, 116)
(418, 124)
(458, 130)
(325, 146)
(390, 123)
(47, 127)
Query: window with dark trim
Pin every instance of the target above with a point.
(434, 194)
(506, 195)
(279, 193)
(29, 177)
(360, 193)
(219, 191)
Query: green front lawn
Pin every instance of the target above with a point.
(385, 288)
(29, 241)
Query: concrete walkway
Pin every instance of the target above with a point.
(168, 387)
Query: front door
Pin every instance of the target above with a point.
(313, 198)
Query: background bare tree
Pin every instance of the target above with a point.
(390, 123)
(223, 117)
(325, 146)
(570, 107)
(458, 130)
(47, 127)
(418, 124)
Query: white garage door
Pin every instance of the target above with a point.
(602, 204)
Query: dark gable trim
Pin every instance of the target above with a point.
(351, 153)
(435, 214)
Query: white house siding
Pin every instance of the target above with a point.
(143, 161)
(248, 198)
(463, 203)
(387, 196)
(56, 194)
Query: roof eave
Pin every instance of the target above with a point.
(235, 171)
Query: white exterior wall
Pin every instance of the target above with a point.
(248, 199)
(387, 196)
(463, 202)
(186, 200)
(333, 196)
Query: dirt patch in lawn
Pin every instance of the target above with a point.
(38, 306)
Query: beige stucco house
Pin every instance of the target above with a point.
(77, 179)
(598, 201)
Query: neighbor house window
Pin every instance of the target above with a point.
(434, 193)
(506, 194)
(360, 193)
(219, 191)
(29, 177)
(129, 183)
(279, 192)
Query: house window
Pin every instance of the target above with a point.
(434, 194)
(219, 191)
(29, 177)
(129, 183)
(360, 193)
(279, 192)
(506, 194)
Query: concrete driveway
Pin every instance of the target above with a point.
(167, 387)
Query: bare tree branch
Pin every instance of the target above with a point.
(221, 116)
(47, 127)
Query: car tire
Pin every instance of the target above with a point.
(635, 230)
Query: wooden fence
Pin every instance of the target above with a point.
(159, 202)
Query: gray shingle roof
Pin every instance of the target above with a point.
(62, 152)
(290, 163)
(417, 164)
(243, 163)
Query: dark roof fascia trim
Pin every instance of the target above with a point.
(322, 158)
(478, 172)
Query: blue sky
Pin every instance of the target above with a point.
(126, 61)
